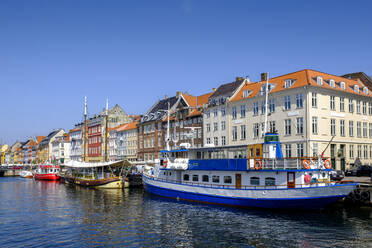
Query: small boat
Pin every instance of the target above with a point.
(26, 174)
(107, 175)
(47, 172)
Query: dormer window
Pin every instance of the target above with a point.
(356, 88)
(288, 83)
(319, 80)
(342, 85)
(263, 88)
(332, 83)
(246, 93)
(365, 90)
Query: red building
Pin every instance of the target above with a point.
(95, 139)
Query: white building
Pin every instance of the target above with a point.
(61, 149)
(76, 146)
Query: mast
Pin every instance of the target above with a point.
(85, 129)
(266, 97)
(168, 138)
(106, 129)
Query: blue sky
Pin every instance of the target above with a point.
(53, 53)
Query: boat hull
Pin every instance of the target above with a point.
(26, 174)
(108, 183)
(48, 176)
(271, 199)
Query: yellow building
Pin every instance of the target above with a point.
(3, 151)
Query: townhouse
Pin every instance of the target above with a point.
(127, 141)
(61, 149)
(314, 112)
(45, 146)
(76, 145)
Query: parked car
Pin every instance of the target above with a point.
(337, 175)
(361, 171)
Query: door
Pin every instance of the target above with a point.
(333, 161)
(238, 181)
(291, 180)
(343, 164)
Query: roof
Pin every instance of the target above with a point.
(75, 130)
(50, 135)
(39, 138)
(227, 89)
(364, 78)
(127, 126)
(157, 112)
(300, 79)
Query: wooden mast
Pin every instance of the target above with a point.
(106, 130)
(85, 129)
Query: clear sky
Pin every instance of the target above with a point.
(53, 53)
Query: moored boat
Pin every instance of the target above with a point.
(26, 174)
(47, 172)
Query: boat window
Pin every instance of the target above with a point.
(198, 155)
(216, 179)
(270, 181)
(165, 173)
(227, 179)
(255, 181)
(205, 178)
(186, 177)
(195, 178)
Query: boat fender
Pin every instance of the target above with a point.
(306, 164)
(327, 164)
(165, 162)
(257, 165)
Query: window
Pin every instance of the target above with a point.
(333, 127)
(272, 105)
(255, 130)
(315, 149)
(215, 126)
(223, 140)
(216, 179)
(358, 107)
(365, 151)
(186, 177)
(216, 141)
(263, 107)
(342, 85)
(195, 178)
(287, 102)
(234, 112)
(365, 90)
(359, 151)
(227, 179)
(288, 83)
(359, 129)
(300, 150)
(255, 108)
(314, 100)
(364, 109)
(235, 133)
(370, 151)
(365, 130)
(223, 111)
(342, 104)
(208, 113)
(370, 108)
(269, 181)
(242, 132)
(351, 106)
(255, 181)
(288, 150)
(246, 93)
(299, 101)
(242, 111)
(208, 128)
(351, 151)
(332, 83)
(342, 127)
(205, 178)
(287, 124)
(223, 125)
(356, 88)
(332, 104)
(319, 80)
(370, 130)
(351, 128)
(315, 125)
(272, 128)
(208, 140)
(300, 125)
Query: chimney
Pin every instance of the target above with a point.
(264, 76)
(238, 79)
(166, 97)
(179, 93)
(213, 89)
(247, 79)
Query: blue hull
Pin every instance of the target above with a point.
(315, 203)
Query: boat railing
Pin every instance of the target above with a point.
(288, 163)
(257, 187)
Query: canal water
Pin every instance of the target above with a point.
(49, 214)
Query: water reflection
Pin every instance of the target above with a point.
(33, 213)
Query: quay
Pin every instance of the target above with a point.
(362, 195)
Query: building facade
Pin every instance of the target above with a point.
(76, 144)
(61, 149)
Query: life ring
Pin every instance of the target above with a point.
(257, 165)
(165, 162)
(327, 164)
(306, 164)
